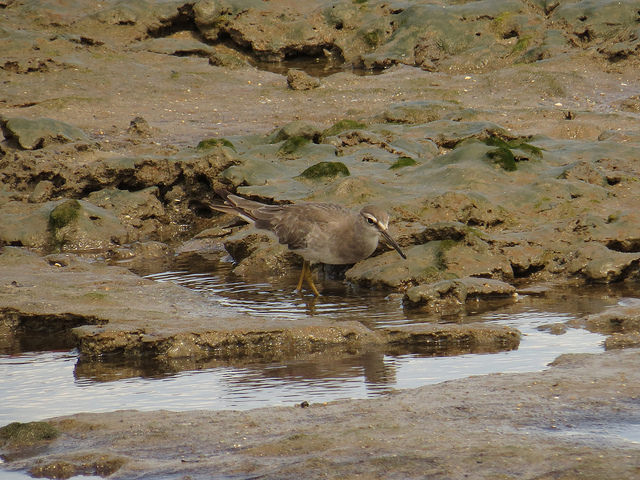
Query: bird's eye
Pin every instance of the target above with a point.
(371, 220)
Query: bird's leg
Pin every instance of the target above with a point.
(302, 275)
(309, 277)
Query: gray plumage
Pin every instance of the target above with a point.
(319, 232)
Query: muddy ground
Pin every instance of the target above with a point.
(502, 136)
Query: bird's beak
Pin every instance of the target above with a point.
(392, 242)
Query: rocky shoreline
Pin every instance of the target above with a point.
(501, 136)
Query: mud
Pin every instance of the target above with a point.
(502, 136)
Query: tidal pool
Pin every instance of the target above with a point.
(39, 384)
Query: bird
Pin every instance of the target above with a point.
(319, 232)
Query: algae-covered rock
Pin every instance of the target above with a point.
(403, 162)
(18, 434)
(292, 144)
(325, 170)
(619, 341)
(299, 80)
(35, 134)
(92, 464)
(63, 224)
(79, 225)
(341, 126)
(448, 133)
(215, 142)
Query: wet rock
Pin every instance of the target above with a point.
(390, 271)
(227, 58)
(472, 337)
(267, 259)
(215, 143)
(325, 170)
(140, 15)
(38, 133)
(91, 464)
(471, 209)
(18, 434)
(176, 46)
(526, 260)
(630, 104)
(75, 225)
(450, 296)
(599, 264)
(474, 258)
(447, 231)
(258, 254)
(283, 438)
(143, 256)
(299, 80)
(589, 25)
(42, 192)
(141, 212)
(448, 133)
(553, 328)
(619, 341)
(297, 129)
(244, 243)
(423, 111)
(139, 127)
(403, 162)
(63, 224)
(620, 136)
(620, 231)
(117, 312)
(341, 126)
(620, 319)
(584, 171)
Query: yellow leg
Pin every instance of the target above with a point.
(310, 282)
(302, 275)
(306, 275)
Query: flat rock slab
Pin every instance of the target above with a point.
(111, 311)
(532, 425)
(116, 312)
(34, 134)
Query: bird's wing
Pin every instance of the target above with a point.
(293, 224)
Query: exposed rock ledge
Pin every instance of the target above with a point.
(108, 310)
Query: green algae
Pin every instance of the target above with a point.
(292, 144)
(521, 45)
(341, 126)
(504, 158)
(23, 434)
(509, 152)
(208, 143)
(403, 162)
(326, 170)
(64, 214)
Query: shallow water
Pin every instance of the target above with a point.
(43, 384)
